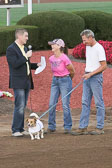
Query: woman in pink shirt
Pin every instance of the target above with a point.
(63, 73)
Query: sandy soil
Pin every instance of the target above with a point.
(55, 150)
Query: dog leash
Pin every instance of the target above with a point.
(61, 99)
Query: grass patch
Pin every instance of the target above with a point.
(18, 13)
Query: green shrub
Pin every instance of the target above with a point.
(7, 36)
(56, 24)
(99, 22)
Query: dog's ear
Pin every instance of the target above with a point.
(27, 120)
(35, 119)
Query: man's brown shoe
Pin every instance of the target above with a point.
(80, 131)
(97, 132)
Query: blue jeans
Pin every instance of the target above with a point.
(60, 86)
(21, 97)
(92, 87)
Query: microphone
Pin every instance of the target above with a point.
(29, 47)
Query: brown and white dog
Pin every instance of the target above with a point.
(35, 126)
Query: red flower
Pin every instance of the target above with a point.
(79, 50)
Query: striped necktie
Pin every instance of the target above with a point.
(24, 54)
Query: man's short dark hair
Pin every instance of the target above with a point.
(20, 31)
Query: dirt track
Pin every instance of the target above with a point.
(55, 150)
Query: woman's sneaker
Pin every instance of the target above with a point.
(67, 131)
(49, 131)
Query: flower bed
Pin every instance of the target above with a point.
(39, 97)
(79, 50)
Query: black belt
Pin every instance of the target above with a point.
(61, 76)
(87, 72)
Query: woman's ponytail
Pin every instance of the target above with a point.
(64, 50)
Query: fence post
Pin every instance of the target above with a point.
(29, 7)
(38, 1)
(8, 16)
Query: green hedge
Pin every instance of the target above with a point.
(99, 22)
(7, 36)
(56, 24)
(46, 26)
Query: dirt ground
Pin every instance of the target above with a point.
(55, 150)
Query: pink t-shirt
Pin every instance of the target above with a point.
(58, 65)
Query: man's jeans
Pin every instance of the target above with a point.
(21, 97)
(60, 86)
(92, 87)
